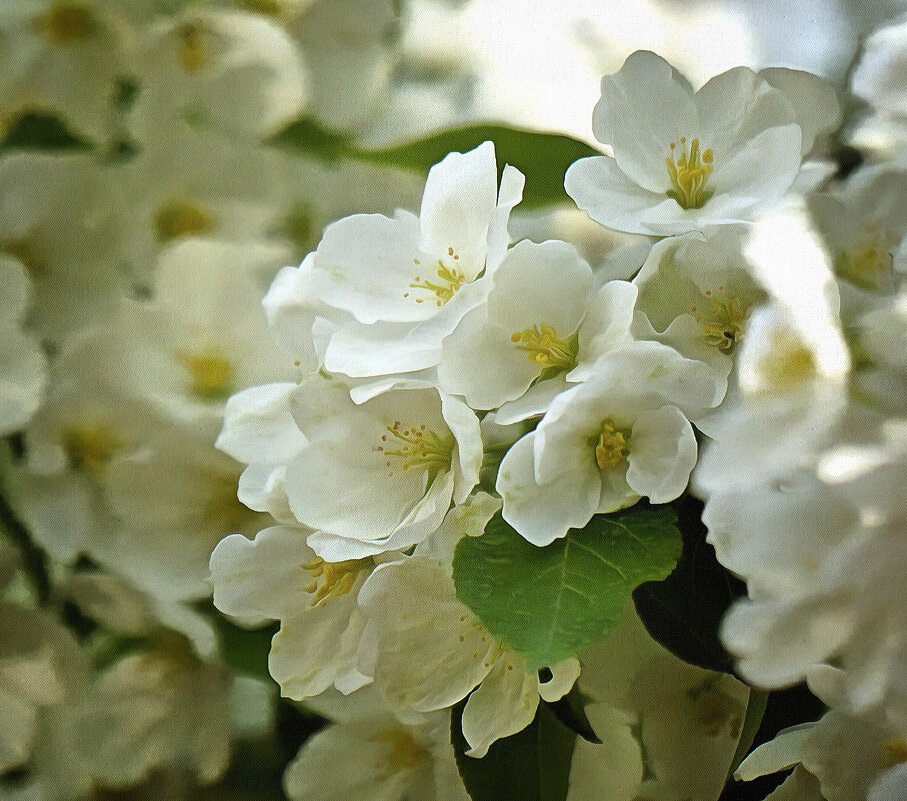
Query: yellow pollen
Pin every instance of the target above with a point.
(193, 50)
(178, 218)
(895, 752)
(417, 447)
(405, 753)
(868, 263)
(689, 174)
(543, 347)
(611, 446)
(451, 279)
(91, 446)
(789, 361)
(270, 8)
(64, 23)
(210, 373)
(722, 326)
(337, 578)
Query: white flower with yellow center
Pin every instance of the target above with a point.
(377, 757)
(621, 434)
(432, 651)
(277, 576)
(685, 160)
(500, 348)
(403, 283)
(862, 223)
(63, 57)
(379, 476)
(696, 295)
(230, 72)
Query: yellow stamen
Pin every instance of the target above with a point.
(210, 373)
(688, 176)
(868, 263)
(451, 281)
(91, 446)
(270, 8)
(337, 577)
(545, 348)
(405, 753)
(789, 361)
(194, 47)
(611, 446)
(64, 23)
(179, 218)
(895, 752)
(418, 448)
(722, 326)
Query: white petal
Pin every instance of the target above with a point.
(662, 454)
(259, 427)
(503, 704)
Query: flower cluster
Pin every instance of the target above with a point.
(444, 462)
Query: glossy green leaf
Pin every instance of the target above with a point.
(548, 603)
(542, 157)
(531, 765)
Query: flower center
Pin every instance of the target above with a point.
(545, 348)
(64, 23)
(895, 752)
(193, 47)
(451, 279)
(788, 362)
(868, 263)
(178, 218)
(722, 324)
(91, 446)
(611, 446)
(210, 373)
(417, 447)
(332, 579)
(270, 8)
(405, 754)
(688, 175)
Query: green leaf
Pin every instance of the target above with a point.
(39, 131)
(532, 765)
(548, 603)
(755, 710)
(571, 711)
(684, 611)
(542, 157)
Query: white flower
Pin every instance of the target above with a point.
(379, 476)
(402, 284)
(695, 295)
(349, 52)
(277, 576)
(64, 57)
(879, 76)
(687, 720)
(682, 160)
(433, 650)
(377, 759)
(862, 223)
(234, 73)
(500, 348)
(24, 371)
(621, 434)
(57, 219)
(39, 668)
